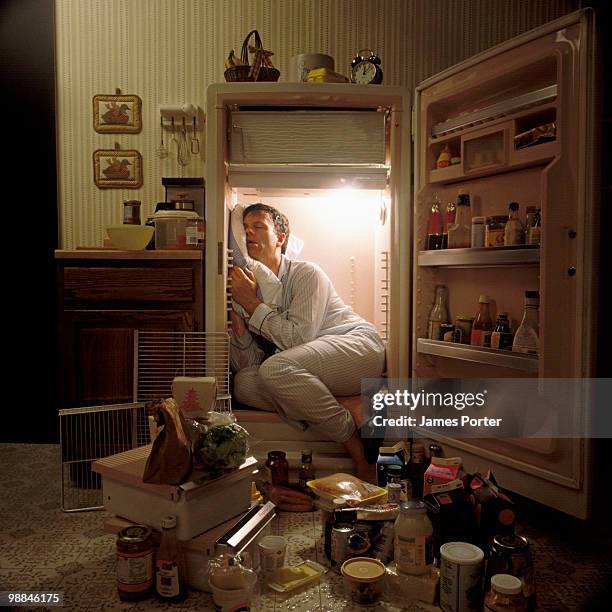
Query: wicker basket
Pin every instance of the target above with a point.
(241, 73)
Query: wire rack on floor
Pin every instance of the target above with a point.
(88, 434)
(161, 356)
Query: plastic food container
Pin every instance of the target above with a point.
(178, 229)
(363, 579)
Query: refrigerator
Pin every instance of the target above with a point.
(354, 167)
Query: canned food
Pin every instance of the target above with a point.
(461, 577)
(135, 571)
(510, 554)
(340, 544)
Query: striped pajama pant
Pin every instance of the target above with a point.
(300, 382)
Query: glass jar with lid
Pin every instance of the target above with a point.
(278, 468)
(413, 549)
(505, 595)
(135, 559)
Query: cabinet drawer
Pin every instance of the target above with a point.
(128, 284)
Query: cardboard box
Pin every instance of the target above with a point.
(195, 395)
(440, 471)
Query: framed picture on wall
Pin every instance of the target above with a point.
(117, 114)
(117, 169)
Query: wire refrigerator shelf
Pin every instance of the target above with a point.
(161, 356)
(88, 434)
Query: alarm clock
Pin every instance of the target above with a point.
(365, 68)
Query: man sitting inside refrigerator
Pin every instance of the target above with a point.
(295, 357)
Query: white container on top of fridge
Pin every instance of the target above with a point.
(198, 506)
(370, 240)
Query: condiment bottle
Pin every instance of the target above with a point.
(526, 338)
(438, 314)
(513, 232)
(434, 228)
(483, 326)
(170, 582)
(534, 235)
(501, 337)
(505, 595)
(306, 472)
(135, 560)
(460, 232)
(449, 218)
(278, 468)
(413, 551)
(417, 470)
(444, 159)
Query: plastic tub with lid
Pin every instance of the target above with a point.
(178, 229)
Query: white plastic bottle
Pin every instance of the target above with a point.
(413, 551)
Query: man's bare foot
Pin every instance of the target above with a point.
(366, 472)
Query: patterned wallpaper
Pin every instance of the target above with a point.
(168, 51)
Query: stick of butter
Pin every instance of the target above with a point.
(288, 578)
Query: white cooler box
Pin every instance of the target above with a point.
(198, 505)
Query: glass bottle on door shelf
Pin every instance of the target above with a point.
(438, 314)
(483, 325)
(534, 233)
(514, 232)
(501, 338)
(434, 229)
(449, 218)
(526, 338)
(460, 232)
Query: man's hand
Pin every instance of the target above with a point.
(238, 324)
(244, 288)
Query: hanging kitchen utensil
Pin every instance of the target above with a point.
(182, 155)
(173, 138)
(162, 150)
(195, 143)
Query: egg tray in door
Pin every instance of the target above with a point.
(261, 70)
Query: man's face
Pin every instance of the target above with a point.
(261, 237)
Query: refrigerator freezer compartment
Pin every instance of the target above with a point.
(477, 354)
(527, 254)
(198, 504)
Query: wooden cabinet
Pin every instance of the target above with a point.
(103, 296)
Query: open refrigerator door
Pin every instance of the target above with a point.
(518, 121)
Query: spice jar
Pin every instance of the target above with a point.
(135, 552)
(494, 230)
(478, 232)
(505, 595)
(278, 468)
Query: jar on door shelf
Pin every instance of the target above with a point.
(494, 230)
(478, 232)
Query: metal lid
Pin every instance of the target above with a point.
(510, 542)
(134, 534)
